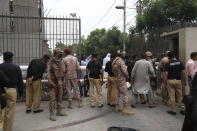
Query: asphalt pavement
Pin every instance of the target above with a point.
(97, 119)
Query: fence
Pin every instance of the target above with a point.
(31, 37)
(154, 42)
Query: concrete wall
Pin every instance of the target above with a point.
(24, 46)
(187, 42)
(4, 8)
(190, 41)
(30, 3)
(182, 45)
(26, 40)
(26, 8)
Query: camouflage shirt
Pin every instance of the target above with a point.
(70, 66)
(119, 68)
(55, 71)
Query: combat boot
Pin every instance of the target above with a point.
(117, 108)
(60, 113)
(70, 104)
(52, 116)
(80, 103)
(126, 111)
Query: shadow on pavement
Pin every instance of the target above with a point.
(121, 129)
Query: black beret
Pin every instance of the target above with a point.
(7, 55)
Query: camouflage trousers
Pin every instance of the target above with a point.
(121, 91)
(72, 84)
(55, 98)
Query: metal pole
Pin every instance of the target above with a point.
(124, 26)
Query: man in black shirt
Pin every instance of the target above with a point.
(131, 64)
(111, 89)
(190, 101)
(3, 83)
(95, 75)
(14, 74)
(35, 72)
(174, 71)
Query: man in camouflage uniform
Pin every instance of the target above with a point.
(55, 77)
(121, 75)
(71, 68)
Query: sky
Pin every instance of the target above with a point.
(92, 12)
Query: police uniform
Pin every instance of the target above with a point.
(56, 77)
(174, 70)
(14, 74)
(94, 73)
(111, 85)
(35, 71)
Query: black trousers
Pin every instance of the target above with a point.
(190, 121)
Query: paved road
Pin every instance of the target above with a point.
(95, 119)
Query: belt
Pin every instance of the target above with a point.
(12, 87)
(174, 79)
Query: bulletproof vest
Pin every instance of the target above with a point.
(116, 67)
(57, 69)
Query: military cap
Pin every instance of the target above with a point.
(121, 52)
(67, 50)
(57, 51)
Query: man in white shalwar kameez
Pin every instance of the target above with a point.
(141, 81)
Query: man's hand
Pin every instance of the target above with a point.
(29, 81)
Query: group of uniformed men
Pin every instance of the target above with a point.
(64, 72)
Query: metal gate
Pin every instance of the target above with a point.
(31, 37)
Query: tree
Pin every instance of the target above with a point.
(161, 13)
(102, 41)
(60, 45)
(76, 48)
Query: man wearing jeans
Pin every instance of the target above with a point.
(173, 72)
(33, 90)
(95, 73)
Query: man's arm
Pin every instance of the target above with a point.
(49, 72)
(20, 83)
(133, 73)
(4, 80)
(165, 73)
(165, 78)
(78, 69)
(184, 77)
(107, 67)
(124, 69)
(101, 72)
(88, 69)
(151, 70)
(29, 70)
(43, 69)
